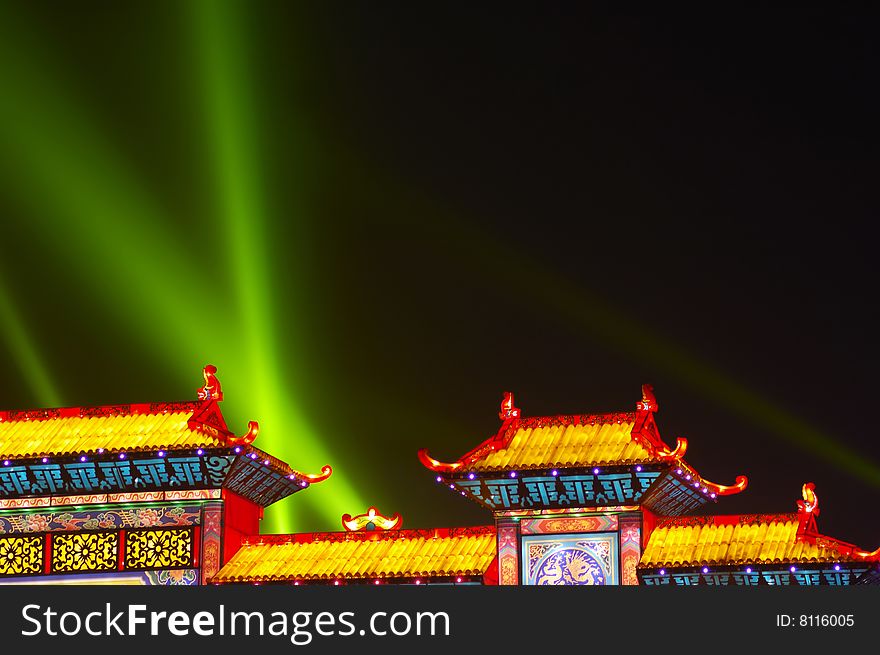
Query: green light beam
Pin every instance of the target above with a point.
(224, 71)
(87, 203)
(521, 273)
(517, 272)
(24, 352)
(89, 207)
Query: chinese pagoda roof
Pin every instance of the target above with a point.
(567, 441)
(418, 556)
(597, 449)
(139, 447)
(143, 427)
(562, 441)
(743, 539)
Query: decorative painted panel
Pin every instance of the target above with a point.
(260, 484)
(598, 523)
(630, 549)
(211, 521)
(672, 496)
(717, 579)
(587, 559)
(23, 503)
(109, 519)
(508, 553)
(745, 579)
(686, 579)
(538, 491)
(80, 499)
(565, 511)
(808, 577)
(843, 577)
(777, 577)
(756, 577)
(155, 549)
(85, 551)
(21, 555)
(73, 478)
(136, 497)
(173, 577)
(104, 499)
(652, 580)
(193, 494)
(164, 577)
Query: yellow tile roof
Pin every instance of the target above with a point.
(566, 445)
(124, 428)
(359, 555)
(723, 540)
(576, 441)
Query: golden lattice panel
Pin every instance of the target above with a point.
(158, 549)
(21, 555)
(85, 551)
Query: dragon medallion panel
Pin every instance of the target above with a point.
(586, 559)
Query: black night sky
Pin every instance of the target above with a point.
(505, 197)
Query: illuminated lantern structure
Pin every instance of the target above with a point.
(159, 493)
(165, 493)
(574, 497)
(601, 499)
(457, 556)
(591, 499)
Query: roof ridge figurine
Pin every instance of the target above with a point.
(648, 403)
(508, 409)
(212, 389)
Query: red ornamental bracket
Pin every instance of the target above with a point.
(864, 554)
(509, 413)
(436, 465)
(325, 473)
(728, 490)
(666, 455)
(248, 437)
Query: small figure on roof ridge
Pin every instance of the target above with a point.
(648, 403)
(808, 510)
(211, 390)
(508, 410)
(810, 503)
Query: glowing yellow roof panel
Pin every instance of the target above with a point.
(352, 556)
(739, 540)
(566, 445)
(109, 430)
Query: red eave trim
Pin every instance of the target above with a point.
(509, 428)
(726, 519)
(824, 541)
(841, 546)
(52, 413)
